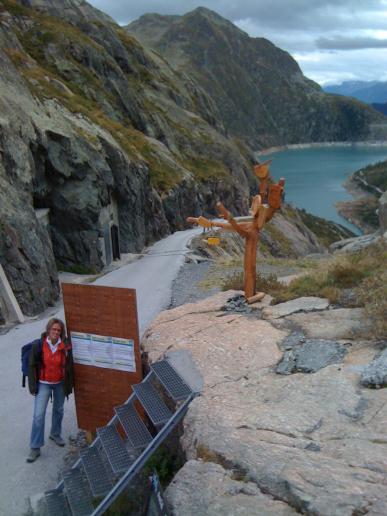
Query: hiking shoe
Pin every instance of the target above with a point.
(57, 440)
(34, 454)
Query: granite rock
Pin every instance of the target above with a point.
(375, 373)
(301, 304)
(314, 442)
(337, 324)
(311, 356)
(217, 493)
(350, 245)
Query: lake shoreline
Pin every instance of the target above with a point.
(316, 145)
(351, 210)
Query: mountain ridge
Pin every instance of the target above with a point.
(371, 92)
(259, 90)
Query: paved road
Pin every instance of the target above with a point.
(152, 276)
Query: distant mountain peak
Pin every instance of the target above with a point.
(213, 18)
(366, 91)
(204, 11)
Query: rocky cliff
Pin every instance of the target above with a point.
(91, 121)
(259, 91)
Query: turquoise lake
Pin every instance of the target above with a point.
(315, 176)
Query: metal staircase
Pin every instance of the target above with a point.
(108, 465)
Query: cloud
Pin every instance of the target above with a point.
(353, 31)
(350, 43)
(341, 65)
(295, 15)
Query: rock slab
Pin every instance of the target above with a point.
(302, 304)
(313, 443)
(217, 493)
(311, 356)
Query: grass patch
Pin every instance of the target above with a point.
(373, 296)
(205, 169)
(268, 283)
(332, 279)
(14, 8)
(351, 280)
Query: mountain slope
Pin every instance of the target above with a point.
(94, 127)
(260, 93)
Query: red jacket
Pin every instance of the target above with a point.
(53, 363)
(35, 366)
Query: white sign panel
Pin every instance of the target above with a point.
(100, 351)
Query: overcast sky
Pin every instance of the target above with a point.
(332, 40)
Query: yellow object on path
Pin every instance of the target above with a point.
(213, 241)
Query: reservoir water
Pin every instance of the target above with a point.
(315, 176)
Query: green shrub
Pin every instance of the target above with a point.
(372, 294)
(268, 284)
(345, 275)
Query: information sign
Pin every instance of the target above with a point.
(103, 326)
(100, 351)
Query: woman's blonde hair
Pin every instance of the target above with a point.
(53, 321)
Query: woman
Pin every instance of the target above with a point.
(50, 374)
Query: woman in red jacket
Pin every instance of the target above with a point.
(50, 373)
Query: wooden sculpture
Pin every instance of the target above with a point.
(262, 209)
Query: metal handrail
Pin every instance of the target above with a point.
(140, 461)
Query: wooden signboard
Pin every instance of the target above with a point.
(103, 326)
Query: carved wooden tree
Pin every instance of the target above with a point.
(262, 210)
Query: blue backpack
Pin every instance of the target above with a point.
(25, 357)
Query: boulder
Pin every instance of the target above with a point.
(301, 304)
(311, 356)
(375, 373)
(351, 245)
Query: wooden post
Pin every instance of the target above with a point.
(250, 263)
(262, 210)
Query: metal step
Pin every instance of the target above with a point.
(137, 432)
(172, 382)
(78, 493)
(109, 456)
(56, 503)
(149, 398)
(114, 448)
(97, 475)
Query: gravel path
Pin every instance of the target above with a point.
(185, 288)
